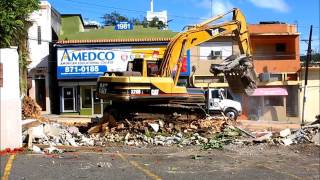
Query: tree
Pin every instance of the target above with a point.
(13, 20)
(113, 18)
(135, 21)
(315, 57)
(155, 22)
(14, 27)
(145, 22)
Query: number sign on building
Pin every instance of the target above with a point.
(124, 25)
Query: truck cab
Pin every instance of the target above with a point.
(218, 102)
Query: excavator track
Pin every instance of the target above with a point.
(174, 111)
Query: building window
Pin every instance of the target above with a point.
(273, 100)
(280, 47)
(39, 35)
(86, 98)
(215, 55)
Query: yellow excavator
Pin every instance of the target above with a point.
(136, 91)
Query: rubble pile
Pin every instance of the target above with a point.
(307, 134)
(137, 133)
(209, 133)
(54, 134)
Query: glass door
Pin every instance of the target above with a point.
(97, 103)
(68, 99)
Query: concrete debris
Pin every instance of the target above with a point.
(36, 149)
(264, 137)
(161, 123)
(285, 132)
(154, 126)
(36, 132)
(54, 134)
(73, 130)
(52, 150)
(104, 164)
(316, 139)
(52, 130)
(210, 134)
(286, 142)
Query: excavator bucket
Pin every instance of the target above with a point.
(239, 72)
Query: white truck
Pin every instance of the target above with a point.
(217, 101)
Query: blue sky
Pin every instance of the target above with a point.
(184, 12)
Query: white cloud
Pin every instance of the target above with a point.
(278, 5)
(88, 22)
(217, 6)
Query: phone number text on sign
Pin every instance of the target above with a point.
(67, 72)
(82, 69)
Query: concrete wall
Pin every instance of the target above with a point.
(312, 106)
(39, 52)
(266, 59)
(199, 53)
(10, 105)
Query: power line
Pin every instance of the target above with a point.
(144, 11)
(130, 10)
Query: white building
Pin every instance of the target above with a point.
(45, 28)
(162, 15)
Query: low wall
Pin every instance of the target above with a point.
(10, 105)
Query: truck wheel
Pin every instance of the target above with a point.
(231, 113)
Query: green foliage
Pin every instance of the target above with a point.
(14, 27)
(113, 18)
(222, 138)
(155, 22)
(13, 20)
(215, 142)
(315, 57)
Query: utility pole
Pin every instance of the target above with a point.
(306, 76)
(211, 9)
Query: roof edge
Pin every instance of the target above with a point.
(128, 40)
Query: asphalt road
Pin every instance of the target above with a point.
(249, 162)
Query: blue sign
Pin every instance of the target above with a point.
(66, 72)
(124, 25)
(78, 63)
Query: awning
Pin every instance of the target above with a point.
(270, 92)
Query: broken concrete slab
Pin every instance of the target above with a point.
(52, 149)
(52, 130)
(316, 139)
(285, 132)
(266, 137)
(37, 132)
(154, 126)
(73, 130)
(36, 149)
(286, 142)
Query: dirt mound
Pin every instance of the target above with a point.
(30, 109)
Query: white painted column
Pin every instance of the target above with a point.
(10, 105)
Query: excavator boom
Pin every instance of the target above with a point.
(236, 70)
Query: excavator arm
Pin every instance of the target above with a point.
(238, 70)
